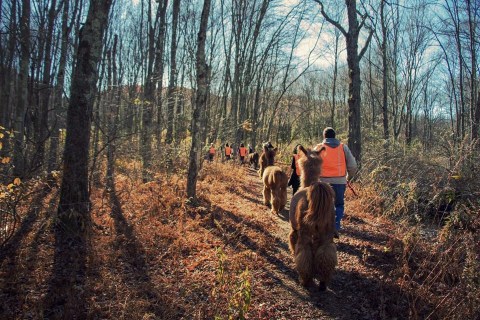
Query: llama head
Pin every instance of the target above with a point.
(269, 155)
(310, 163)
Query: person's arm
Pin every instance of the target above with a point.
(351, 162)
(293, 163)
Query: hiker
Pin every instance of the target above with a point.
(338, 165)
(211, 152)
(294, 180)
(242, 151)
(250, 149)
(228, 152)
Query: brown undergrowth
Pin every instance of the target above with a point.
(153, 256)
(435, 201)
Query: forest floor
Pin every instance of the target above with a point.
(155, 257)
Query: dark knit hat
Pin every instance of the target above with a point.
(328, 132)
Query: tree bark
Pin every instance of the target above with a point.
(58, 103)
(22, 99)
(200, 104)
(384, 71)
(74, 205)
(474, 111)
(173, 74)
(41, 127)
(353, 61)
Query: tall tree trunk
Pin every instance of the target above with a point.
(22, 93)
(334, 85)
(112, 119)
(173, 74)
(41, 127)
(474, 112)
(58, 103)
(200, 104)
(73, 223)
(384, 72)
(74, 205)
(147, 105)
(159, 67)
(354, 100)
(353, 61)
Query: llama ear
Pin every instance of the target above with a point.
(322, 149)
(301, 148)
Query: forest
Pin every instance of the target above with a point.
(112, 205)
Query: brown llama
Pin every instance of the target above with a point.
(274, 181)
(312, 219)
(264, 161)
(253, 159)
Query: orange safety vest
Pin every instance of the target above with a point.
(212, 150)
(243, 151)
(297, 166)
(228, 151)
(334, 163)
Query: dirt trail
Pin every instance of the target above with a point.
(360, 288)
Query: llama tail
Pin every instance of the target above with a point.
(320, 211)
(280, 179)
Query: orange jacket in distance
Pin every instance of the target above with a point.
(334, 163)
(212, 150)
(228, 151)
(243, 151)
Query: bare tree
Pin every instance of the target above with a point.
(200, 104)
(19, 147)
(173, 74)
(74, 205)
(353, 60)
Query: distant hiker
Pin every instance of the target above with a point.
(228, 152)
(211, 152)
(250, 149)
(294, 180)
(242, 151)
(338, 164)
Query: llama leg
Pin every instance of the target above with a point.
(304, 264)
(275, 201)
(325, 262)
(283, 198)
(293, 237)
(266, 195)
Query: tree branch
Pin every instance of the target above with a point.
(330, 20)
(366, 44)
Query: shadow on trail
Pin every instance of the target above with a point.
(16, 274)
(14, 243)
(131, 262)
(284, 215)
(234, 233)
(361, 298)
(364, 236)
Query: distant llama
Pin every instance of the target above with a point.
(312, 219)
(253, 159)
(274, 181)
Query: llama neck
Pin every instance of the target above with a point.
(309, 176)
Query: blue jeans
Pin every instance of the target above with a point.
(339, 203)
